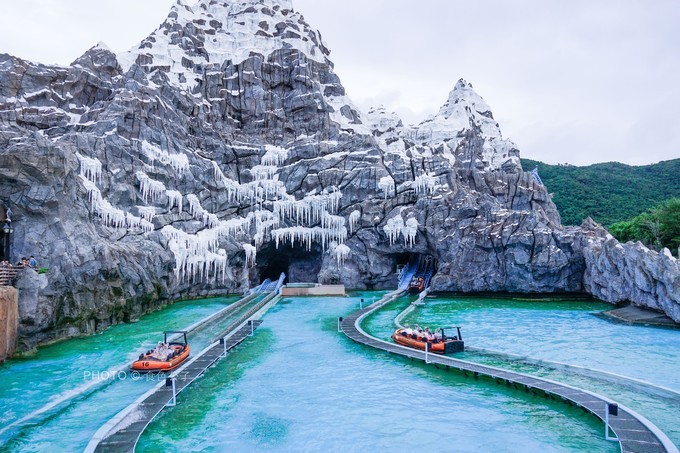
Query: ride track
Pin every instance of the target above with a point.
(9, 431)
(635, 433)
(122, 432)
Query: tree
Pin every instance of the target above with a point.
(657, 228)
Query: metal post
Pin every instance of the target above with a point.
(224, 344)
(171, 381)
(340, 324)
(361, 304)
(8, 232)
(609, 409)
(427, 351)
(252, 328)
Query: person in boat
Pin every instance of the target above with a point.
(420, 333)
(407, 331)
(429, 336)
(438, 334)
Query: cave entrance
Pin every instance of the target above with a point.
(414, 271)
(299, 265)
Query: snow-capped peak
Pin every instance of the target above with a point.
(195, 39)
(464, 112)
(464, 93)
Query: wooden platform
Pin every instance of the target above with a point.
(312, 290)
(635, 433)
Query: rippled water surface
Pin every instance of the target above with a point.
(69, 370)
(299, 385)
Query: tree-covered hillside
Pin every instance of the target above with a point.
(609, 192)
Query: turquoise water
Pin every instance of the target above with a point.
(562, 331)
(299, 385)
(72, 370)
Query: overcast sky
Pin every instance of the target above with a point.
(576, 81)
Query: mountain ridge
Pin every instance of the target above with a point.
(609, 192)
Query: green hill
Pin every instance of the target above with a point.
(609, 192)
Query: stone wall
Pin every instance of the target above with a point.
(9, 316)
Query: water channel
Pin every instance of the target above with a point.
(298, 384)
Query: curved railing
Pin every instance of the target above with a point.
(634, 432)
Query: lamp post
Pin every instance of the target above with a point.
(7, 228)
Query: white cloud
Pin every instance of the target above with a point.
(576, 81)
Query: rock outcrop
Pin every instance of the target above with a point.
(223, 150)
(9, 321)
(618, 272)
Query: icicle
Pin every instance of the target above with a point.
(178, 162)
(263, 172)
(251, 254)
(341, 253)
(354, 219)
(198, 213)
(90, 168)
(274, 155)
(386, 184)
(146, 212)
(425, 184)
(393, 228)
(150, 188)
(410, 230)
(110, 216)
(174, 199)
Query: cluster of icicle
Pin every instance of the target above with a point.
(396, 227)
(90, 173)
(386, 184)
(151, 189)
(251, 254)
(197, 256)
(178, 162)
(341, 253)
(425, 184)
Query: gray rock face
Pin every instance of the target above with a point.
(224, 150)
(618, 272)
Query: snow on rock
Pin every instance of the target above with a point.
(466, 111)
(211, 32)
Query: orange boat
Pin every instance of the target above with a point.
(447, 345)
(176, 353)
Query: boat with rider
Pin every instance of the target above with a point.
(437, 342)
(166, 356)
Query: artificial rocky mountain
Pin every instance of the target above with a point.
(224, 150)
